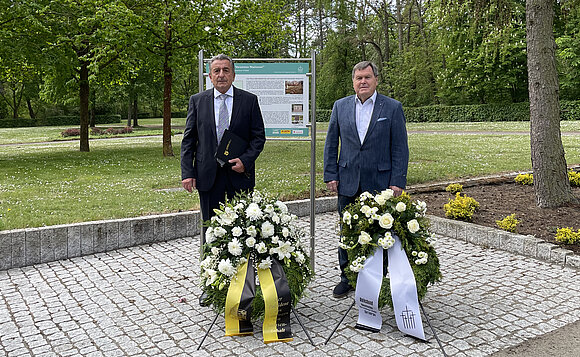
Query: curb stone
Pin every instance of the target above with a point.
(527, 245)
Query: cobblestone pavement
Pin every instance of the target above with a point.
(127, 303)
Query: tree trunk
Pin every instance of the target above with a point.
(400, 26)
(421, 21)
(167, 82)
(320, 27)
(129, 111)
(92, 111)
(84, 106)
(548, 163)
(385, 21)
(410, 20)
(135, 111)
(30, 109)
(17, 95)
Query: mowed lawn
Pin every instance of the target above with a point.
(53, 183)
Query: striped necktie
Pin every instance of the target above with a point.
(223, 120)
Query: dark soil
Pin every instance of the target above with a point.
(500, 200)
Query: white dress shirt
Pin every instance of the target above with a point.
(217, 102)
(364, 112)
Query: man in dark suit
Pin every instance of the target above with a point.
(209, 113)
(370, 130)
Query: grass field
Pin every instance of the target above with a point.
(153, 127)
(53, 183)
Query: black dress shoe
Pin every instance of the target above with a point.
(203, 300)
(341, 290)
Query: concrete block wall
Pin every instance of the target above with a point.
(22, 247)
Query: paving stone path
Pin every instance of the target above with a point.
(142, 301)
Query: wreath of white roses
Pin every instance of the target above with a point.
(257, 226)
(370, 221)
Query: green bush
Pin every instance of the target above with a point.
(182, 114)
(567, 236)
(17, 123)
(61, 120)
(323, 115)
(454, 188)
(461, 208)
(525, 179)
(570, 110)
(509, 223)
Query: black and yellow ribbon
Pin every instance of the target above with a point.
(238, 308)
(277, 304)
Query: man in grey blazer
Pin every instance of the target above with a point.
(241, 114)
(370, 130)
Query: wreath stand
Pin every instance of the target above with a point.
(422, 309)
(293, 310)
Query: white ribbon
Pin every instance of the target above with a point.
(404, 292)
(368, 288)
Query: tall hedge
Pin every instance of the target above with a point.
(17, 123)
(569, 110)
(62, 120)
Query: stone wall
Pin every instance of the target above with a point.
(22, 247)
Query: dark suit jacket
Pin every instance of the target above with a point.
(381, 161)
(199, 142)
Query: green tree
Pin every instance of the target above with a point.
(568, 49)
(482, 44)
(19, 61)
(79, 39)
(257, 29)
(175, 30)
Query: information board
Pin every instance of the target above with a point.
(283, 94)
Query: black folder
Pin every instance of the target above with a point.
(231, 146)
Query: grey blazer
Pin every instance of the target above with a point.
(381, 161)
(199, 142)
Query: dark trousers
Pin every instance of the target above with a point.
(344, 201)
(222, 188)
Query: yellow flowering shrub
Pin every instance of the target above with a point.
(524, 179)
(574, 178)
(454, 188)
(509, 223)
(567, 236)
(461, 208)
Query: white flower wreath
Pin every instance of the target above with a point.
(257, 226)
(370, 221)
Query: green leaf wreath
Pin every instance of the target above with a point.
(370, 222)
(257, 226)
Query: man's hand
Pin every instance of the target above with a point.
(332, 186)
(238, 165)
(396, 190)
(188, 184)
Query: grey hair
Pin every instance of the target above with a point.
(364, 64)
(222, 57)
